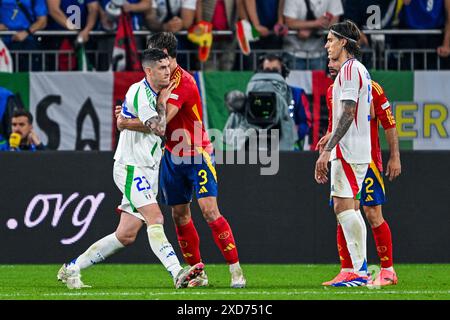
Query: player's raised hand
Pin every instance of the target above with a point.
(164, 94)
(393, 168)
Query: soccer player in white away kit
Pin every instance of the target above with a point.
(136, 169)
(349, 146)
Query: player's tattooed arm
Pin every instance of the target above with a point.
(157, 124)
(343, 125)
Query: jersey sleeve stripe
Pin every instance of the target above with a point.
(125, 111)
(379, 88)
(136, 101)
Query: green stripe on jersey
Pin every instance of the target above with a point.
(151, 99)
(136, 101)
(154, 148)
(128, 185)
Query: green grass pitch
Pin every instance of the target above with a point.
(264, 282)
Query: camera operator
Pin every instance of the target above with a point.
(267, 105)
(300, 111)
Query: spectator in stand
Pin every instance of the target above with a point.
(223, 14)
(424, 14)
(63, 17)
(267, 18)
(174, 16)
(356, 10)
(26, 17)
(171, 15)
(309, 18)
(138, 10)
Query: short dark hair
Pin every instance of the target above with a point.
(152, 55)
(23, 113)
(164, 40)
(349, 31)
(274, 57)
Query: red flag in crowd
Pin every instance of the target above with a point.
(125, 55)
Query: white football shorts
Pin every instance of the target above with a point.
(139, 186)
(347, 178)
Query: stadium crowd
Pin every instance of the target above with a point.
(271, 19)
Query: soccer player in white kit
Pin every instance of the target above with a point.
(349, 146)
(136, 169)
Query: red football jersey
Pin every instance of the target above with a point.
(186, 135)
(383, 115)
(330, 106)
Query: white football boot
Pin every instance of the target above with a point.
(237, 276)
(71, 276)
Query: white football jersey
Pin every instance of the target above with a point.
(138, 148)
(353, 83)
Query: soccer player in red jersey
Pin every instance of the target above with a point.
(373, 192)
(188, 165)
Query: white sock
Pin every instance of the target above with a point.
(353, 232)
(391, 269)
(99, 251)
(235, 267)
(364, 229)
(163, 249)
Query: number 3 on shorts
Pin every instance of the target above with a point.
(204, 175)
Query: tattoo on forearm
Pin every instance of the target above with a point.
(343, 125)
(157, 124)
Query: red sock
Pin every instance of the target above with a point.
(189, 243)
(344, 255)
(223, 236)
(383, 241)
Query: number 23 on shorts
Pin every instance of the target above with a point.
(140, 181)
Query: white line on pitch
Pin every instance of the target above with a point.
(243, 293)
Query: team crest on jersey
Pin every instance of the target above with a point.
(381, 249)
(183, 244)
(224, 235)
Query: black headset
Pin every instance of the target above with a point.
(271, 56)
